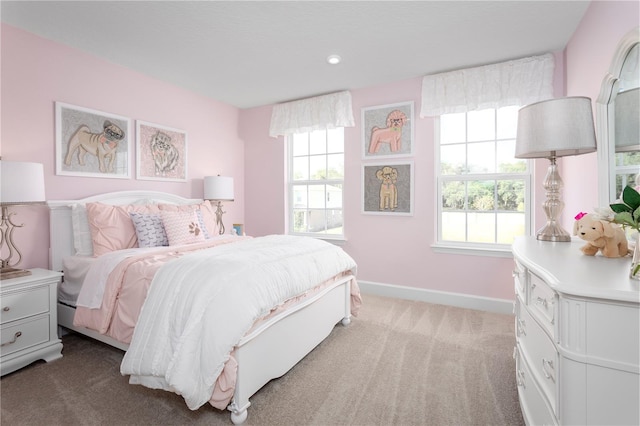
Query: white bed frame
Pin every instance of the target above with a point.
(266, 353)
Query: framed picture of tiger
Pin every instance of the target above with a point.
(161, 153)
(92, 143)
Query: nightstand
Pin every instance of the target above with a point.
(29, 320)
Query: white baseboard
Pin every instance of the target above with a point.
(500, 306)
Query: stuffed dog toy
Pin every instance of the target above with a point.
(600, 235)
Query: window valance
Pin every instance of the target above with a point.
(317, 113)
(517, 82)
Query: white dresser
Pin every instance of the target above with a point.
(577, 336)
(29, 320)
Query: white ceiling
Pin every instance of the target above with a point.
(254, 53)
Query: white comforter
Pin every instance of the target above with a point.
(199, 307)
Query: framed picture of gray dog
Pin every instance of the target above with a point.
(387, 130)
(387, 188)
(92, 143)
(161, 152)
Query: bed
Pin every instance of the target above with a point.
(302, 317)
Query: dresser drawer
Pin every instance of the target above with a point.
(520, 279)
(24, 303)
(542, 303)
(534, 405)
(540, 353)
(23, 334)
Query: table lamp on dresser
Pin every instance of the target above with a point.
(550, 129)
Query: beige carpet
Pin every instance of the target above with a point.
(399, 363)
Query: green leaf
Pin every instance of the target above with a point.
(631, 197)
(624, 218)
(620, 208)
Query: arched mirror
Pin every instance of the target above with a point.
(618, 121)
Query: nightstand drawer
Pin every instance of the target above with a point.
(23, 334)
(24, 304)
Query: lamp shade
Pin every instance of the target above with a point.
(22, 183)
(218, 188)
(627, 120)
(555, 127)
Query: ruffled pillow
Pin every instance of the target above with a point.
(111, 226)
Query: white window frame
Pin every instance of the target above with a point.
(290, 202)
(473, 248)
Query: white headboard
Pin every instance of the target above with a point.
(61, 227)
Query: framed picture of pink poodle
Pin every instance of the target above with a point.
(387, 130)
(388, 188)
(161, 152)
(91, 143)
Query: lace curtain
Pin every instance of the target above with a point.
(318, 113)
(517, 82)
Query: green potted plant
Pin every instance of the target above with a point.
(627, 214)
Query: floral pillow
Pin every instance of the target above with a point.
(149, 230)
(182, 227)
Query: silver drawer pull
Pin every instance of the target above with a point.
(522, 329)
(547, 363)
(541, 301)
(6, 309)
(520, 378)
(515, 273)
(15, 337)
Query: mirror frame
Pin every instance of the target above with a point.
(605, 117)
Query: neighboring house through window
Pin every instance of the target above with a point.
(482, 190)
(315, 182)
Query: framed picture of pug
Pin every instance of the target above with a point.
(92, 143)
(387, 130)
(387, 188)
(161, 152)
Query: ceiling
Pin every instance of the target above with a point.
(254, 53)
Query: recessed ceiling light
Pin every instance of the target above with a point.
(334, 59)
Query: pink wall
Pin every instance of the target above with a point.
(37, 72)
(390, 250)
(588, 57)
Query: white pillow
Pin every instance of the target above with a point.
(82, 242)
(182, 227)
(149, 230)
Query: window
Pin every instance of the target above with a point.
(483, 191)
(316, 179)
(626, 170)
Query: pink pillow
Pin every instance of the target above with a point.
(182, 227)
(207, 210)
(111, 226)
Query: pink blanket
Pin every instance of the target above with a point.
(127, 287)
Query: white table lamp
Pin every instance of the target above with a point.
(218, 188)
(550, 129)
(21, 184)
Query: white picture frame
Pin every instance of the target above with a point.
(92, 143)
(388, 130)
(387, 188)
(161, 152)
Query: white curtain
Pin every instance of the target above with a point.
(318, 113)
(517, 82)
